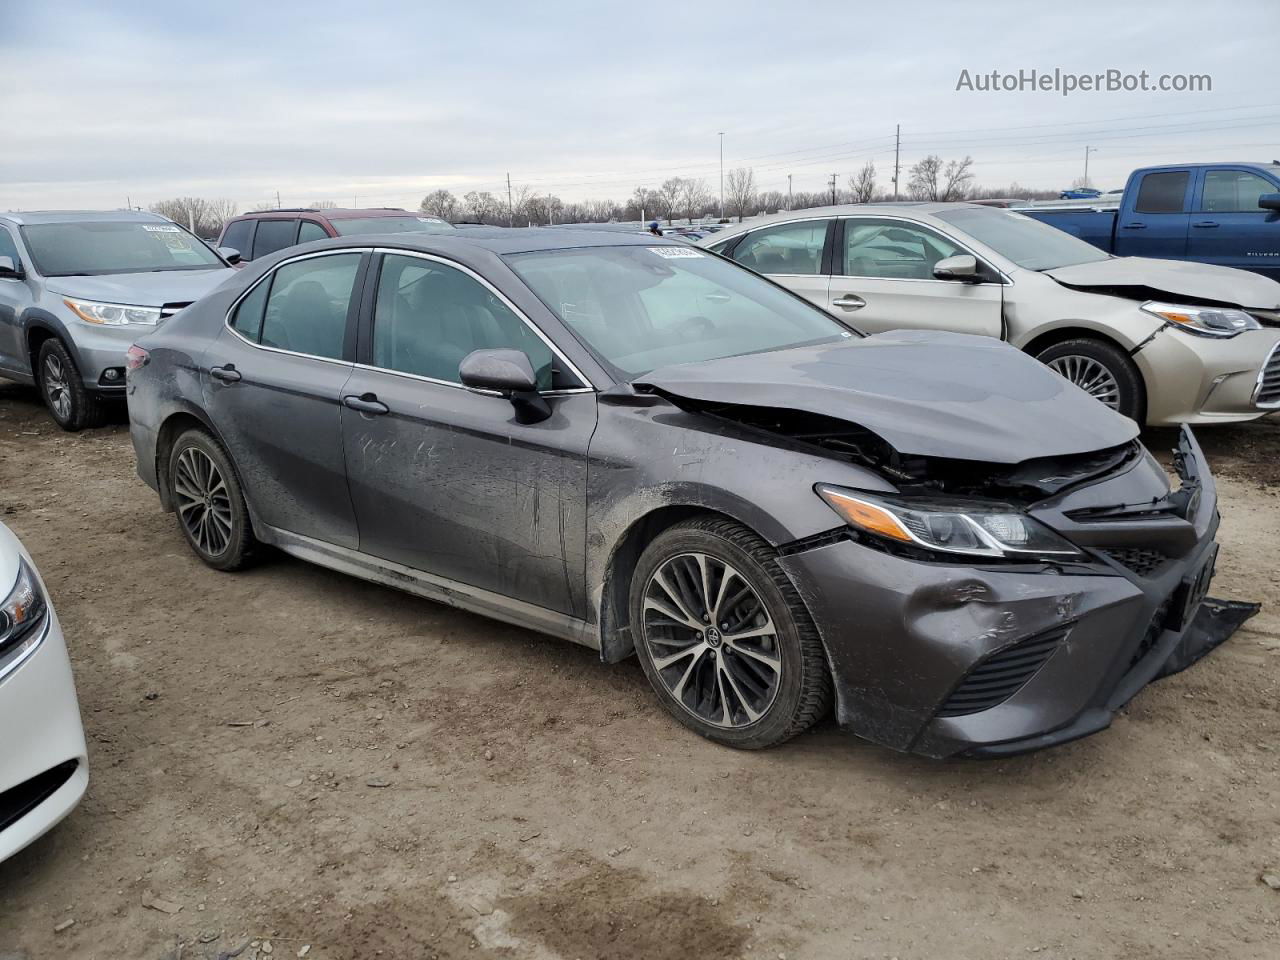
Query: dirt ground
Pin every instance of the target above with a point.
(293, 759)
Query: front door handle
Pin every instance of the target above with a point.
(227, 374)
(366, 403)
(1205, 224)
(850, 301)
(1134, 226)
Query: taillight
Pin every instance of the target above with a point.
(136, 358)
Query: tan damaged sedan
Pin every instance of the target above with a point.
(1162, 341)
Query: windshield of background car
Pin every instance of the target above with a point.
(1028, 243)
(95, 248)
(640, 308)
(358, 225)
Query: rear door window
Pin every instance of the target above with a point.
(310, 230)
(274, 235)
(1163, 192)
(787, 248)
(306, 311)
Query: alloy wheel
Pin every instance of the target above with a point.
(204, 503)
(1090, 376)
(57, 389)
(711, 640)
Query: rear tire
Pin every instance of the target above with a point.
(1102, 370)
(72, 407)
(741, 662)
(209, 502)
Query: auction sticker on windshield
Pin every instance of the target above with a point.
(674, 253)
(160, 228)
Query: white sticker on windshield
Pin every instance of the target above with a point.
(160, 228)
(675, 253)
(430, 220)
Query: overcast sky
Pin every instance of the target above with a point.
(378, 103)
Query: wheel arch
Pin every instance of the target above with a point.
(174, 425)
(1068, 332)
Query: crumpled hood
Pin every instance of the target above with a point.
(142, 289)
(924, 392)
(1174, 279)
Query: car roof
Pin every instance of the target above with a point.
(499, 240)
(889, 209)
(334, 213)
(25, 217)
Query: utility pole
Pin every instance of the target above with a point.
(277, 199)
(721, 174)
(790, 202)
(833, 189)
(511, 210)
(897, 150)
(1087, 151)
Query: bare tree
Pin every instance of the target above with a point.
(771, 201)
(669, 197)
(322, 204)
(205, 218)
(923, 178)
(1082, 183)
(862, 187)
(956, 179)
(440, 203)
(518, 204)
(694, 197)
(740, 191)
(480, 207)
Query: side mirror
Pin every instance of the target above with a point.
(230, 254)
(510, 374)
(1269, 201)
(9, 269)
(961, 267)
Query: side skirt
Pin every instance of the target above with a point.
(450, 592)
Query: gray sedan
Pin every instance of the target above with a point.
(644, 448)
(76, 288)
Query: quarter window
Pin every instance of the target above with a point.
(1233, 191)
(274, 235)
(1162, 192)
(788, 248)
(892, 250)
(307, 308)
(429, 316)
(247, 320)
(310, 230)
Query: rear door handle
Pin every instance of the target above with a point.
(366, 403)
(850, 301)
(1134, 226)
(1205, 224)
(227, 374)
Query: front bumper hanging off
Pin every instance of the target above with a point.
(945, 659)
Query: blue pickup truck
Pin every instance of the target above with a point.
(1223, 213)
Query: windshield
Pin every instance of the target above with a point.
(405, 224)
(640, 308)
(1027, 242)
(96, 248)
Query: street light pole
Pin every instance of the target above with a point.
(790, 202)
(721, 174)
(1087, 151)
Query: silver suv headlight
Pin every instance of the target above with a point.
(23, 611)
(1202, 321)
(112, 314)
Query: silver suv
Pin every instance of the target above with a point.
(77, 288)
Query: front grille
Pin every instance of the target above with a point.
(1142, 562)
(1267, 393)
(997, 678)
(169, 309)
(17, 802)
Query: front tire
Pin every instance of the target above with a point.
(724, 638)
(209, 502)
(1102, 370)
(72, 407)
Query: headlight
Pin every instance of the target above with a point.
(23, 610)
(113, 314)
(982, 530)
(1203, 321)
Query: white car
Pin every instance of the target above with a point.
(43, 764)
